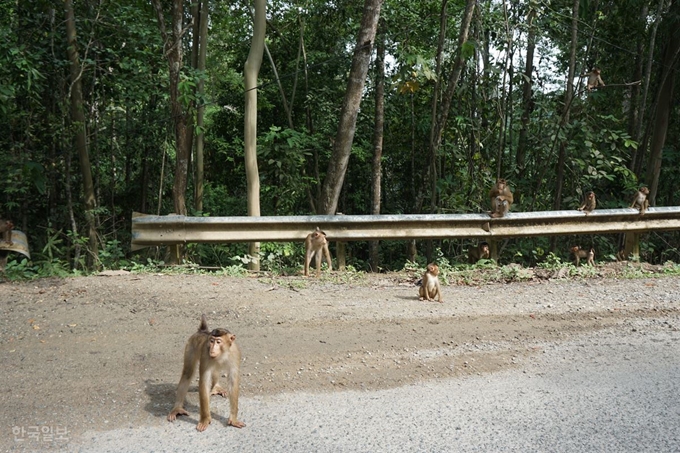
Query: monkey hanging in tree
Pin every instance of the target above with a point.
(594, 79)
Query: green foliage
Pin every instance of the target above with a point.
(281, 257)
(131, 139)
(113, 255)
(283, 154)
(551, 261)
(22, 270)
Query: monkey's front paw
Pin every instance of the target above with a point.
(175, 412)
(236, 424)
(203, 425)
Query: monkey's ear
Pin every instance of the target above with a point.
(232, 337)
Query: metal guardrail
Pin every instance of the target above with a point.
(149, 230)
(19, 244)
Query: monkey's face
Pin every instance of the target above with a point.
(645, 191)
(433, 269)
(485, 249)
(574, 249)
(216, 345)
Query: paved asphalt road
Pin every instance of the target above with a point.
(608, 392)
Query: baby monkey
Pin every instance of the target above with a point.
(589, 203)
(580, 253)
(640, 201)
(215, 352)
(430, 288)
(594, 79)
(481, 252)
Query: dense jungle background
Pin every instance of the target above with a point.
(383, 107)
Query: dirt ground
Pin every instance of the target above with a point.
(104, 352)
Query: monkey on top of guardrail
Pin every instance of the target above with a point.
(501, 198)
(589, 204)
(640, 201)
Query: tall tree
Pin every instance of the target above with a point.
(79, 122)
(664, 100)
(378, 133)
(441, 117)
(202, 42)
(638, 156)
(180, 111)
(557, 204)
(181, 117)
(527, 90)
(250, 73)
(342, 147)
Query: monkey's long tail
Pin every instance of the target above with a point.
(204, 324)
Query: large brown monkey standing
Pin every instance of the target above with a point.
(215, 352)
(316, 245)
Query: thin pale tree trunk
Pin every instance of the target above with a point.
(250, 73)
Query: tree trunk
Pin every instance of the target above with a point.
(634, 104)
(200, 111)
(437, 128)
(435, 113)
(378, 131)
(78, 119)
(557, 204)
(638, 156)
(180, 115)
(342, 147)
(664, 102)
(526, 94)
(250, 73)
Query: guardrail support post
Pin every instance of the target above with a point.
(632, 246)
(493, 249)
(341, 252)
